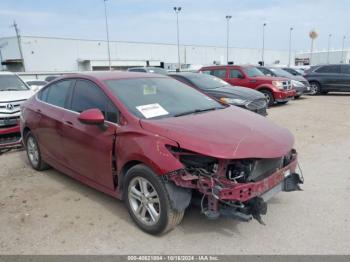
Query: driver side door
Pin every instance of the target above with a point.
(89, 148)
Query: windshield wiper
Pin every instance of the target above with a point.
(197, 111)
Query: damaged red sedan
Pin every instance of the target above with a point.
(158, 145)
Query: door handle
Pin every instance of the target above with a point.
(38, 111)
(252, 81)
(69, 123)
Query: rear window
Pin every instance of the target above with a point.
(11, 83)
(345, 69)
(221, 73)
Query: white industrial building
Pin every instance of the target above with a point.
(323, 57)
(65, 54)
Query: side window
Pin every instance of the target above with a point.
(221, 73)
(87, 95)
(345, 69)
(207, 72)
(333, 69)
(234, 73)
(56, 94)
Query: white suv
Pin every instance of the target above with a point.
(13, 92)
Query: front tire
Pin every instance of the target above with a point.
(33, 153)
(315, 88)
(148, 201)
(269, 97)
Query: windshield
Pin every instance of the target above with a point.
(204, 81)
(252, 71)
(156, 98)
(280, 72)
(11, 83)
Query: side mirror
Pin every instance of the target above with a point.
(92, 117)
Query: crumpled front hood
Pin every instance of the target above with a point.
(10, 96)
(230, 133)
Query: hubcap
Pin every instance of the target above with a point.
(314, 89)
(32, 150)
(267, 98)
(144, 201)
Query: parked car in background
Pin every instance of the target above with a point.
(293, 71)
(276, 90)
(328, 78)
(213, 86)
(35, 84)
(148, 69)
(50, 78)
(13, 92)
(157, 144)
(299, 83)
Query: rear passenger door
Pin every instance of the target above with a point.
(49, 112)
(89, 148)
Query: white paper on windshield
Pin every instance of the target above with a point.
(152, 110)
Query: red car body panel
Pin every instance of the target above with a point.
(257, 83)
(98, 156)
(232, 134)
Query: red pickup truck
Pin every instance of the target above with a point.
(275, 89)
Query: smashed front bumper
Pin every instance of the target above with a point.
(10, 137)
(242, 201)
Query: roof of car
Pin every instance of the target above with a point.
(6, 73)
(109, 75)
(183, 74)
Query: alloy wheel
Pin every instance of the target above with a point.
(144, 201)
(33, 152)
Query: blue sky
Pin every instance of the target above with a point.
(201, 21)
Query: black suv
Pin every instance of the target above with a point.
(328, 78)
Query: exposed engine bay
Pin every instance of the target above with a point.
(236, 188)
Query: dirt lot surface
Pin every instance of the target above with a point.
(50, 213)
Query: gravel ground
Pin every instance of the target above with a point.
(50, 213)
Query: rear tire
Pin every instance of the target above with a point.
(297, 97)
(269, 97)
(283, 103)
(33, 153)
(148, 201)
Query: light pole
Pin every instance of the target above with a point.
(177, 11)
(263, 45)
(329, 46)
(228, 17)
(107, 34)
(342, 50)
(290, 45)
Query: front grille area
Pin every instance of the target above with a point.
(287, 85)
(10, 107)
(6, 122)
(256, 104)
(10, 138)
